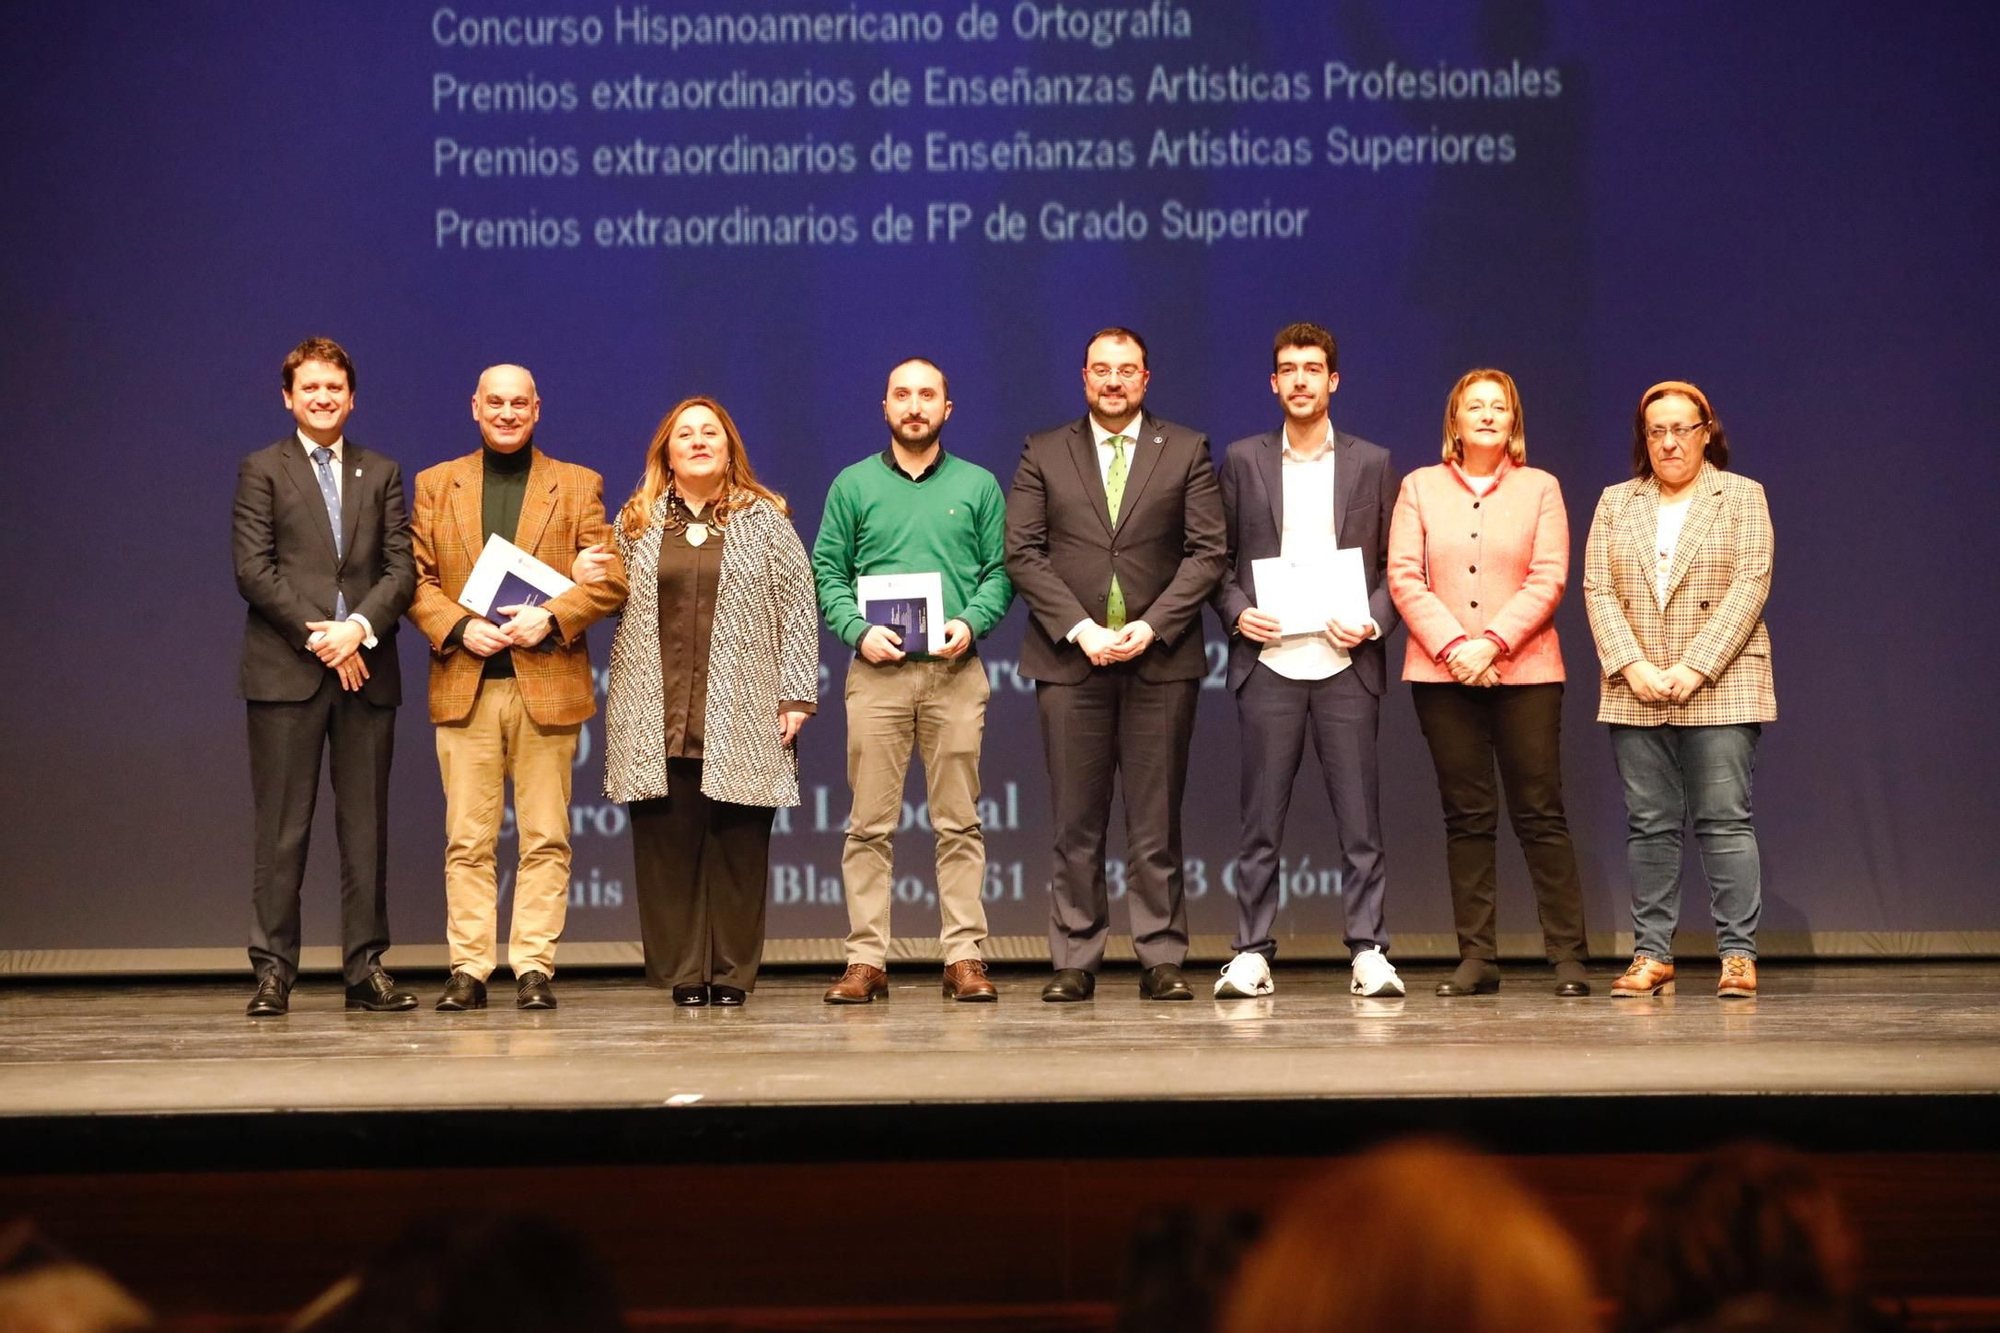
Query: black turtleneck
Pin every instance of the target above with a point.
(503, 485)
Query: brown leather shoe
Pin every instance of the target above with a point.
(1739, 979)
(859, 984)
(1646, 976)
(966, 980)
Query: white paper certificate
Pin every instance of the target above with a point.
(910, 604)
(506, 575)
(1306, 593)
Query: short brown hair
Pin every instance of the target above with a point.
(1123, 335)
(1517, 439)
(319, 349)
(1715, 451)
(1306, 335)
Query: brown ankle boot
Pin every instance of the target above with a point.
(1646, 976)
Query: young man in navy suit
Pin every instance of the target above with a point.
(1302, 492)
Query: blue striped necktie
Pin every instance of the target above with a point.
(323, 467)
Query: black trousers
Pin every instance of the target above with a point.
(702, 868)
(286, 743)
(1521, 726)
(1116, 728)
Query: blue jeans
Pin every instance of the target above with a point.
(1671, 773)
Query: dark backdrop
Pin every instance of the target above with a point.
(1790, 204)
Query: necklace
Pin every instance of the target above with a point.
(696, 528)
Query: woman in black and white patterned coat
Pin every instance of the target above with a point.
(714, 668)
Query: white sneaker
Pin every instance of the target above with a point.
(1246, 977)
(1374, 975)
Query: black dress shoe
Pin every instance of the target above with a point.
(377, 991)
(691, 997)
(462, 992)
(1164, 983)
(1474, 976)
(531, 991)
(1069, 985)
(1571, 979)
(728, 997)
(273, 997)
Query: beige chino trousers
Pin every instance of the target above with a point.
(476, 757)
(939, 708)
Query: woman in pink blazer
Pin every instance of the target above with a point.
(1478, 556)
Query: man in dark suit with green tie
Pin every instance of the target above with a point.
(1115, 539)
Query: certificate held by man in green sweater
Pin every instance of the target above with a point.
(910, 567)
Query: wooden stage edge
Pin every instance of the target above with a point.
(915, 1164)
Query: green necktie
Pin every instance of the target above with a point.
(1114, 492)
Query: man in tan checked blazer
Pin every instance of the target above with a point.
(508, 694)
(1676, 573)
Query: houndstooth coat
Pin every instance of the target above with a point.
(1713, 619)
(763, 647)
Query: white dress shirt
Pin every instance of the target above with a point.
(1308, 531)
(1105, 457)
(1673, 517)
(340, 491)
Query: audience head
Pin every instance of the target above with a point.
(1180, 1265)
(43, 1290)
(506, 1274)
(1418, 1236)
(1744, 1221)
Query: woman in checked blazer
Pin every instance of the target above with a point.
(713, 670)
(1676, 571)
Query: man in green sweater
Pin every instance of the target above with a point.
(914, 509)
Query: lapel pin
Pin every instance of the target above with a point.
(1159, 439)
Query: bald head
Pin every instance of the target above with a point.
(506, 408)
(507, 378)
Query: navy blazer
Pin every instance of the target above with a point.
(287, 571)
(1253, 498)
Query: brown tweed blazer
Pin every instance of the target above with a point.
(1713, 620)
(562, 513)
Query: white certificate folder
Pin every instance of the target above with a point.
(506, 575)
(912, 605)
(1304, 594)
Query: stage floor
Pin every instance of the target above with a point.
(151, 1049)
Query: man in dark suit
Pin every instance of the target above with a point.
(1302, 492)
(322, 549)
(1114, 540)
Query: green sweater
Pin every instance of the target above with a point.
(879, 521)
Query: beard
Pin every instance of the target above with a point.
(919, 443)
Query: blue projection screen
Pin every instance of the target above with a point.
(1792, 204)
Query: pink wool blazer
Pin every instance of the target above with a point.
(1461, 563)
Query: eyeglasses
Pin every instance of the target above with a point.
(1680, 430)
(1125, 373)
